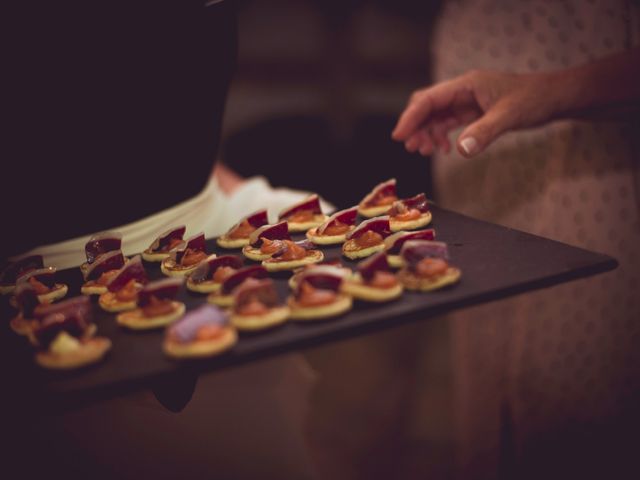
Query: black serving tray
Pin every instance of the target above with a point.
(496, 262)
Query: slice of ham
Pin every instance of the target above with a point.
(368, 268)
(235, 279)
(104, 263)
(186, 329)
(164, 239)
(278, 231)
(323, 278)
(288, 245)
(255, 219)
(310, 204)
(15, 269)
(165, 289)
(132, 270)
(194, 243)
(46, 276)
(263, 291)
(393, 243)
(415, 250)
(72, 316)
(384, 189)
(419, 202)
(346, 217)
(378, 225)
(206, 269)
(102, 242)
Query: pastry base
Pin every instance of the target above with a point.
(135, 320)
(359, 290)
(341, 305)
(371, 212)
(276, 266)
(149, 256)
(109, 303)
(170, 269)
(90, 351)
(395, 261)
(325, 239)
(208, 286)
(254, 253)
(220, 300)
(318, 220)
(202, 348)
(423, 221)
(276, 316)
(59, 290)
(351, 250)
(7, 289)
(93, 289)
(225, 242)
(412, 282)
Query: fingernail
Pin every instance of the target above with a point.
(469, 145)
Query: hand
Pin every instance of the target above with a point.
(488, 103)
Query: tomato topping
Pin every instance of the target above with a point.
(382, 279)
(408, 215)
(369, 239)
(270, 246)
(128, 293)
(429, 267)
(106, 277)
(39, 287)
(221, 274)
(253, 307)
(243, 230)
(384, 200)
(173, 243)
(192, 257)
(312, 297)
(157, 307)
(209, 332)
(293, 251)
(336, 228)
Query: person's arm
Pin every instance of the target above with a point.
(491, 103)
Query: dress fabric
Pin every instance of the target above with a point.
(547, 378)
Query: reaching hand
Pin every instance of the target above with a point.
(488, 103)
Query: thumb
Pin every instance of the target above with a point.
(481, 133)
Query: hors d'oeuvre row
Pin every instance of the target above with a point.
(99, 273)
(303, 215)
(224, 296)
(212, 272)
(426, 266)
(202, 332)
(393, 244)
(319, 295)
(14, 270)
(238, 235)
(256, 306)
(122, 290)
(185, 258)
(374, 281)
(162, 246)
(409, 213)
(367, 238)
(44, 283)
(265, 241)
(156, 306)
(99, 244)
(65, 336)
(292, 255)
(335, 229)
(379, 200)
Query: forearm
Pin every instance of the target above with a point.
(605, 89)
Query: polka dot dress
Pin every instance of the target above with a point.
(567, 355)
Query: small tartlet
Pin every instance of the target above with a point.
(238, 236)
(409, 213)
(101, 271)
(265, 241)
(123, 288)
(293, 255)
(156, 306)
(426, 267)
(224, 296)
(379, 200)
(99, 244)
(367, 238)
(202, 332)
(373, 281)
(184, 259)
(319, 296)
(16, 269)
(393, 244)
(335, 229)
(211, 273)
(162, 246)
(256, 306)
(44, 282)
(303, 215)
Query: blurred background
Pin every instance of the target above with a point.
(322, 83)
